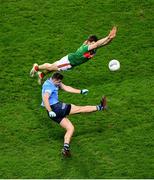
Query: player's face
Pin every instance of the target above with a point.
(89, 43)
(57, 81)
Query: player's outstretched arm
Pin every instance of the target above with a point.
(73, 90)
(104, 41)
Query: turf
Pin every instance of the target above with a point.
(118, 143)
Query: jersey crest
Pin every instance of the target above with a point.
(90, 54)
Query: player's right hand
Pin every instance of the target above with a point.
(52, 114)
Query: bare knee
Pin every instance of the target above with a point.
(75, 109)
(67, 125)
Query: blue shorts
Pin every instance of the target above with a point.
(61, 110)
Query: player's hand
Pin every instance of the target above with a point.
(52, 114)
(84, 91)
(112, 33)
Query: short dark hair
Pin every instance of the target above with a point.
(92, 38)
(57, 76)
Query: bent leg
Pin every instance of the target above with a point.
(48, 67)
(66, 124)
(82, 109)
(60, 65)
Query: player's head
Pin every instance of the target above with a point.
(92, 38)
(57, 78)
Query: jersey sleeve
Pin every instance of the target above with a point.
(47, 89)
(85, 48)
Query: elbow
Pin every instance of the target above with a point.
(45, 97)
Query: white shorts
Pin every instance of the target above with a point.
(63, 64)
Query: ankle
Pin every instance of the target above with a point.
(66, 146)
(99, 107)
(36, 68)
(41, 75)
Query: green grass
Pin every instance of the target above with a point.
(118, 143)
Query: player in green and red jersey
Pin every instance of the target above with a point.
(82, 55)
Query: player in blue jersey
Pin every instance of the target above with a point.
(58, 111)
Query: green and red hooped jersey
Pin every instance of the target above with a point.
(81, 56)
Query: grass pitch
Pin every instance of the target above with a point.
(118, 143)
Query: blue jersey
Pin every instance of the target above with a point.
(52, 90)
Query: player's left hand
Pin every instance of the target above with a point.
(84, 91)
(112, 33)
